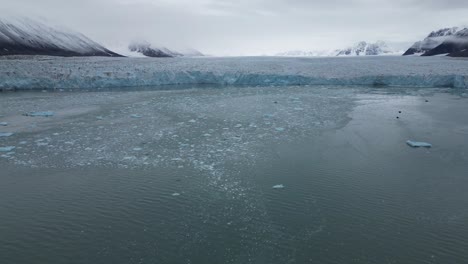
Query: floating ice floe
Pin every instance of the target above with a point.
(43, 114)
(136, 116)
(176, 194)
(416, 144)
(5, 134)
(7, 149)
(279, 129)
(3, 124)
(279, 186)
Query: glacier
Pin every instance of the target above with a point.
(39, 73)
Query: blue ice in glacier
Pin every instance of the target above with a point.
(416, 144)
(7, 149)
(95, 72)
(43, 114)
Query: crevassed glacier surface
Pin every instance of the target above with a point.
(88, 73)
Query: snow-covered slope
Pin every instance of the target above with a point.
(367, 49)
(433, 40)
(148, 50)
(25, 36)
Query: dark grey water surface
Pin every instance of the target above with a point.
(354, 191)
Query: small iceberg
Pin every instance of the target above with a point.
(3, 124)
(176, 194)
(43, 114)
(7, 149)
(136, 116)
(4, 134)
(279, 186)
(416, 144)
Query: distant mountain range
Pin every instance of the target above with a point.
(448, 41)
(24, 36)
(362, 48)
(302, 53)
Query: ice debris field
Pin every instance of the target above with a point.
(25, 73)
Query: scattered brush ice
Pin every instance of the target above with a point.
(7, 149)
(416, 144)
(43, 114)
(279, 186)
(5, 134)
(3, 124)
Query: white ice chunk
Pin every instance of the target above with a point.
(5, 134)
(279, 186)
(7, 149)
(176, 194)
(416, 144)
(3, 124)
(136, 116)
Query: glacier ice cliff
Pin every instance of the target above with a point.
(94, 72)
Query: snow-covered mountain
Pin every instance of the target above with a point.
(360, 49)
(432, 41)
(146, 49)
(26, 36)
(364, 48)
(455, 46)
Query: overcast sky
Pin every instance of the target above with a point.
(247, 27)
